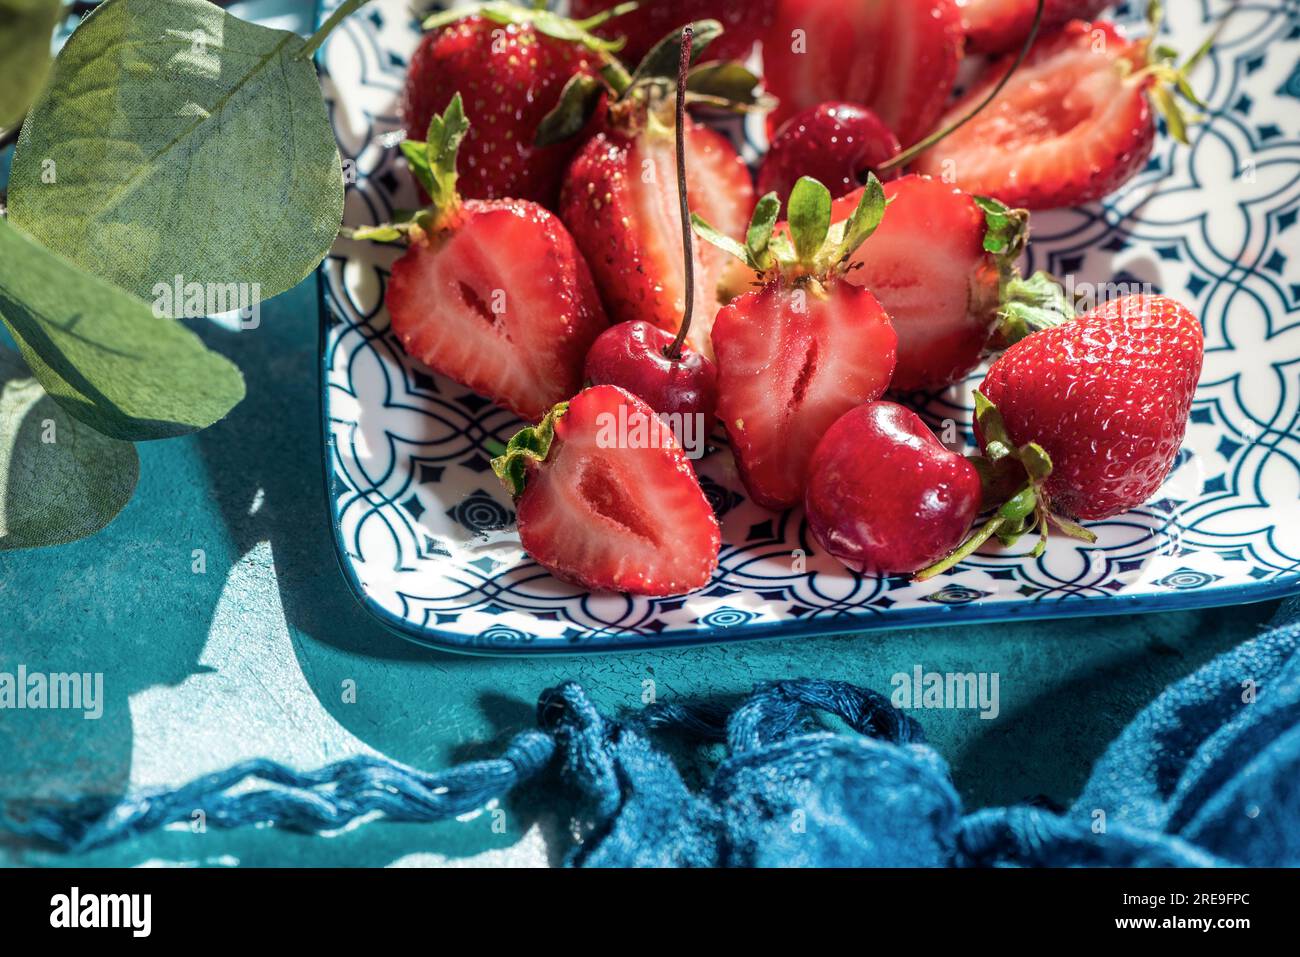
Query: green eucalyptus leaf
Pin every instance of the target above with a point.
(26, 29)
(809, 213)
(176, 139)
(60, 480)
(103, 355)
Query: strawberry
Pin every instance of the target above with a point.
(644, 27)
(491, 293)
(1084, 419)
(606, 498)
(996, 26)
(940, 264)
(510, 65)
(649, 362)
(620, 202)
(804, 348)
(899, 58)
(1072, 125)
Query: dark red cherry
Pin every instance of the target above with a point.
(634, 355)
(884, 495)
(836, 143)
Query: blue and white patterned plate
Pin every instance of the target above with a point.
(425, 534)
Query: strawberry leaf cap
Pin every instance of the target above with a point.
(1030, 305)
(540, 19)
(815, 247)
(1012, 477)
(721, 84)
(530, 445)
(1006, 230)
(433, 164)
(1169, 80)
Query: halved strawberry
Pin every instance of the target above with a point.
(799, 352)
(942, 264)
(897, 57)
(492, 293)
(501, 301)
(607, 499)
(620, 202)
(792, 360)
(997, 26)
(653, 19)
(928, 265)
(1072, 125)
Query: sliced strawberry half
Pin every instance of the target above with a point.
(492, 293)
(607, 499)
(792, 360)
(1071, 126)
(898, 58)
(502, 302)
(928, 265)
(620, 202)
(996, 26)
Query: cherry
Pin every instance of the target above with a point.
(634, 355)
(884, 495)
(836, 143)
(653, 364)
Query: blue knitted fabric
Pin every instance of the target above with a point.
(1208, 774)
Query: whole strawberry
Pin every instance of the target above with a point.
(653, 19)
(1083, 420)
(804, 347)
(1107, 397)
(491, 293)
(509, 64)
(1074, 123)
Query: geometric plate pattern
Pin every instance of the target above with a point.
(425, 534)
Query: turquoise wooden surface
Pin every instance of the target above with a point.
(257, 655)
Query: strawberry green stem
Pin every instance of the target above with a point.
(674, 351)
(912, 152)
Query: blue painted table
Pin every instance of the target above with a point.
(257, 655)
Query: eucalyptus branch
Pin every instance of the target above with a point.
(341, 13)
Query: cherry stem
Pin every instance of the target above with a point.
(674, 351)
(964, 551)
(912, 152)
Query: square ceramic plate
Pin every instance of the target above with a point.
(425, 534)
